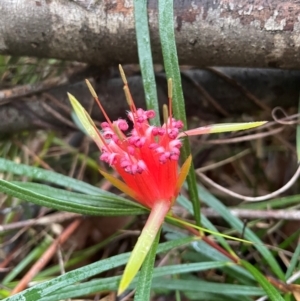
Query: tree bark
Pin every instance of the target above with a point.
(208, 95)
(256, 33)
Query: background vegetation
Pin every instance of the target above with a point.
(66, 232)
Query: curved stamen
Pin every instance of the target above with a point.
(95, 96)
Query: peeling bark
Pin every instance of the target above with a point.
(255, 33)
(207, 96)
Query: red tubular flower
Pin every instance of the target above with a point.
(146, 158)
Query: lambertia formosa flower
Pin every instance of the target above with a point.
(146, 158)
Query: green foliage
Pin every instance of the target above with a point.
(145, 57)
(143, 289)
(42, 290)
(100, 203)
(243, 280)
(167, 39)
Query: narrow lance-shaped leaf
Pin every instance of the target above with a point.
(144, 243)
(272, 293)
(221, 128)
(183, 172)
(145, 57)
(118, 184)
(143, 290)
(170, 60)
(86, 121)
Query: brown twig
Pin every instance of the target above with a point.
(287, 117)
(35, 157)
(46, 220)
(9, 257)
(211, 243)
(241, 88)
(43, 260)
(245, 137)
(248, 198)
(58, 103)
(224, 162)
(257, 214)
(206, 95)
(250, 96)
(58, 116)
(29, 89)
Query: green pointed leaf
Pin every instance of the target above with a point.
(70, 205)
(40, 291)
(145, 57)
(86, 121)
(48, 176)
(235, 271)
(111, 283)
(104, 199)
(270, 290)
(146, 274)
(293, 263)
(183, 201)
(144, 243)
(170, 58)
(205, 286)
(237, 224)
(222, 128)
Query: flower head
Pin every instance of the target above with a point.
(146, 157)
